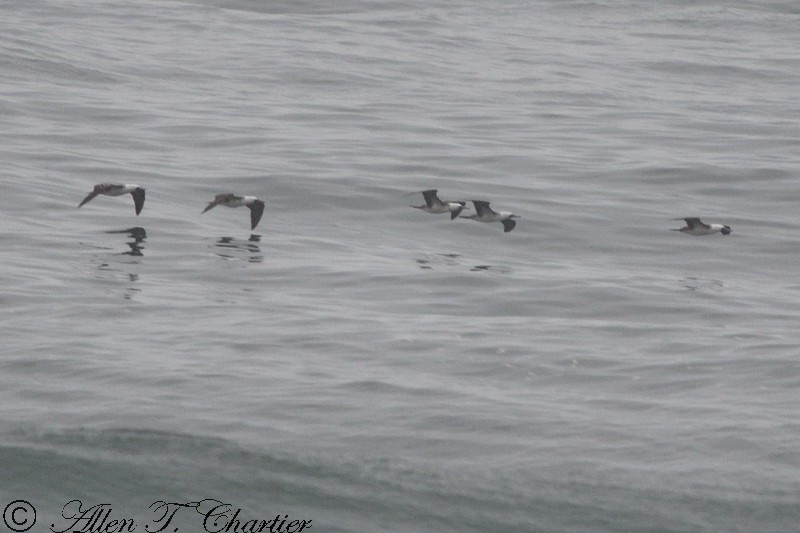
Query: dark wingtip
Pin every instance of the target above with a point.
(88, 197)
(138, 200)
(256, 210)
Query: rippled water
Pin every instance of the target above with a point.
(362, 364)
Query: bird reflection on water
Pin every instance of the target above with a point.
(138, 234)
(454, 261)
(112, 267)
(694, 284)
(231, 248)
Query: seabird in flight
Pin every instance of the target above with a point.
(694, 226)
(485, 214)
(434, 205)
(255, 205)
(107, 189)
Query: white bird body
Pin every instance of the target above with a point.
(486, 214)
(119, 190)
(255, 205)
(495, 216)
(434, 205)
(109, 189)
(444, 207)
(694, 226)
(238, 201)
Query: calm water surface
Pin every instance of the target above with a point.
(367, 366)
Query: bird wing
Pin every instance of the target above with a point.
(454, 213)
(218, 199)
(138, 199)
(89, 197)
(482, 207)
(694, 222)
(508, 224)
(256, 210)
(430, 197)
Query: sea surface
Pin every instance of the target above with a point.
(366, 366)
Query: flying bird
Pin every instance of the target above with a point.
(434, 205)
(484, 213)
(694, 226)
(107, 189)
(255, 205)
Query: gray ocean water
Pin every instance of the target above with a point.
(365, 365)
